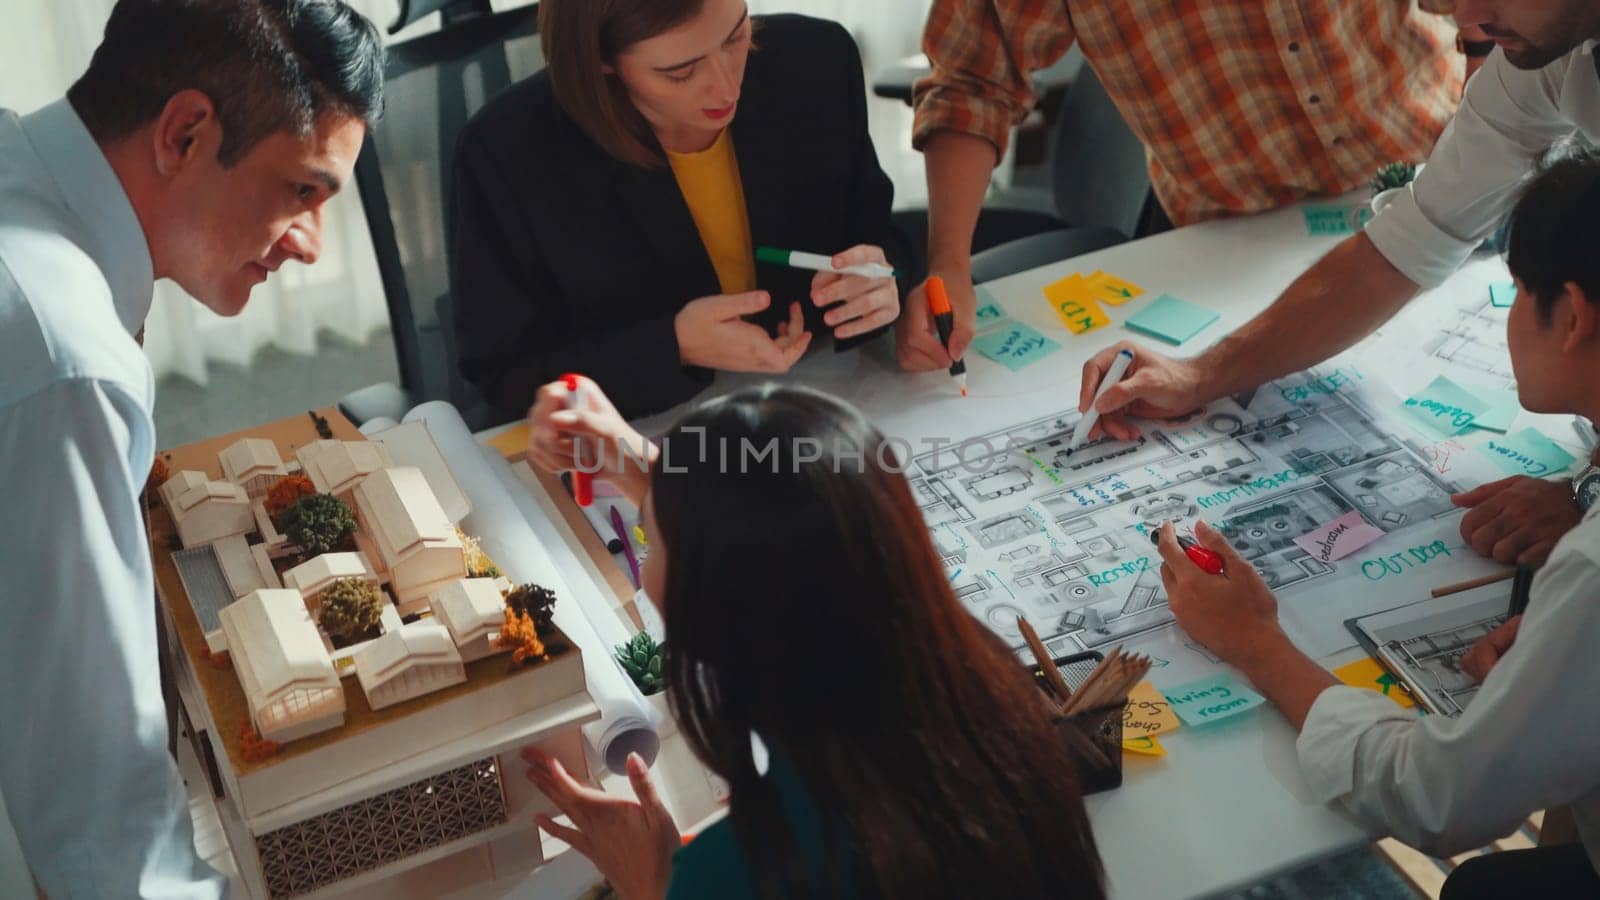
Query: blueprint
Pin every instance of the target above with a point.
(1063, 540)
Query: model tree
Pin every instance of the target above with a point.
(538, 603)
(284, 493)
(641, 659)
(319, 523)
(478, 563)
(520, 637)
(351, 610)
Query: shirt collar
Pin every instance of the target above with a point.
(114, 238)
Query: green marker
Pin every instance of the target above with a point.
(816, 262)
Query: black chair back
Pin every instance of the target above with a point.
(1101, 177)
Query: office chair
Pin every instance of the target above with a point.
(432, 85)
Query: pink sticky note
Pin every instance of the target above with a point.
(1339, 538)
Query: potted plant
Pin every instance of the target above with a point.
(319, 524)
(642, 659)
(351, 612)
(1389, 182)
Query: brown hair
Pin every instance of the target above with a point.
(805, 601)
(580, 38)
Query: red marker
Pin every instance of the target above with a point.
(1209, 561)
(582, 482)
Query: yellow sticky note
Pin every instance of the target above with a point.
(1071, 287)
(1367, 673)
(1110, 289)
(1144, 746)
(513, 442)
(1081, 316)
(1148, 713)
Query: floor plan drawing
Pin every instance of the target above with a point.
(1026, 529)
(1471, 341)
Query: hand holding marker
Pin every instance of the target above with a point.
(1208, 560)
(945, 321)
(1119, 368)
(582, 482)
(816, 262)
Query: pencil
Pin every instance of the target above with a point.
(1449, 589)
(1047, 666)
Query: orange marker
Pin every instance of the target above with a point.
(582, 482)
(945, 321)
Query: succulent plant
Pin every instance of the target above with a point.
(1393, 175)
(319, 523)
(351, 607)
(641, 659)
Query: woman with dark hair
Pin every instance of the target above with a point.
(608, 209)
(806, 610)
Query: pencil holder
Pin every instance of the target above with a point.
(1093, 737)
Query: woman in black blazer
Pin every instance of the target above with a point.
(599, 221)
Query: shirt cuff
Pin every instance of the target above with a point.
(1412, 243)
(1331, 736)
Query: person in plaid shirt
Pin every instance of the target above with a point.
(1242, 106)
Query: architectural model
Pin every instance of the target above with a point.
(309, 578)
(1064, 539)
(472, 610)
(253, 464)
(417, 547)
(204, 510)
(286, 672)
(408, 662)
(336, 467)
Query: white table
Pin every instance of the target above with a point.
(1228, 806)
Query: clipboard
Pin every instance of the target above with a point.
(1421, 643)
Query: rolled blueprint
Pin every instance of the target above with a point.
(515, 534)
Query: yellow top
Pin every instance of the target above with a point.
(712, 187)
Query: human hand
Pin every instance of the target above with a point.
(1235, 614)
(712, 333)
(916, 341)
(631, 842)
(1517, 520)
(1155, 387)
(1477, 661)
(553, 430)
(864, 303)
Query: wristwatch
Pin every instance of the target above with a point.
(1586, 487)
(1474, 49)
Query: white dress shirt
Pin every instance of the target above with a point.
(1506, 119)
(1529, 740)
(97, 802)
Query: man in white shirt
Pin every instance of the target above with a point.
(200, 145)
(1541, 86)
(1530, 738)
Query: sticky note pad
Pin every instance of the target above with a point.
(1172, 320)
(1502, 411)
(1081, 316)
(1071, 287)
(513, 442)
(1147, 713)
(1528, 452)
(1143, 746)
(1014, 345)
(1111, 289)
(1322, 219)
(1503, 293)
(1212, 699)
(1366, 673)
(1339, 538)
(989, 309)
(1444, 408)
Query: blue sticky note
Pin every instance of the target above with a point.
(1502, 411)
(989, 309)
(1014, 345)
(1322, 219)
(1503, 294)
(1528, 452)
(1444, 408)
(1172, 320)
(1211, 699)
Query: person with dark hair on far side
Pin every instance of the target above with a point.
(609, 209)
(201, 145)
(878, 741)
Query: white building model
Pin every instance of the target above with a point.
(253, 464)
(416, 544)
(408, 662)
(337, 467)
(471, 609)
(205, 511)
(288, 677)
(311, 577)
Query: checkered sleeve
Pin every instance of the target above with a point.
(981, 53)
(1439, 7)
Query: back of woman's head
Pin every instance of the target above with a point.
(804, 600)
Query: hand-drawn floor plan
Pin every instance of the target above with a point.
(1063, 540)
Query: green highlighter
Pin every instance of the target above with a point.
(816, 262)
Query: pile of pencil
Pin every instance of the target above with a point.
(1107, 685)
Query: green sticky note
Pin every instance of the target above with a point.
(1170, 319)
(1444, 408)
(1502, 411)
(1014, 345)
(1322, 219)
(1503, 294)
(989, 309)
(1212, 699)
(1528, 452)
